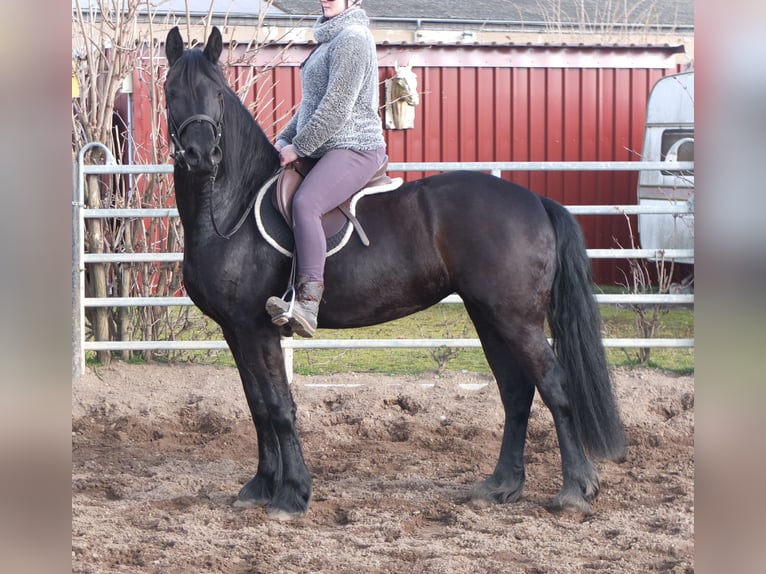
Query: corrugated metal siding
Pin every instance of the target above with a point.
(537, 114)
(504, 104)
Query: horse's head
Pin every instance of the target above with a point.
(194, 94)
(406, 85)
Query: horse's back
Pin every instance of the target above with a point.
(491, 232)
(465, 232)
(461, 202)
(480, 197)
(449, 216)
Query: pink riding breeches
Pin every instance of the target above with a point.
(337, 176)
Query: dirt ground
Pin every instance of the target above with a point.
(160, 452)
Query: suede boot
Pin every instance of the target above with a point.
(301, 313)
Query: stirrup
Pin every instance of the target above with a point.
(284, 317)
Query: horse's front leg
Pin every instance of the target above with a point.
(283, 482)
(261, 488)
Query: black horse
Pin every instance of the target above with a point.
(514, 257)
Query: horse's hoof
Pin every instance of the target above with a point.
(282, 515)
(290, 502)
(568, 501)
(496, 491)
(248, 503)
(254, 494)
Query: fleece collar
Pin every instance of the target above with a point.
(326, 29)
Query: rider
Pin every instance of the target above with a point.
(337, 122)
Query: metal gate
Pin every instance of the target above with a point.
(79, 259)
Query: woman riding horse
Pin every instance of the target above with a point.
(337, 123)
(514, 257)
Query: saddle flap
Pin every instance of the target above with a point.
(287, 184)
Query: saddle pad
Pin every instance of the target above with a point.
(276, 232)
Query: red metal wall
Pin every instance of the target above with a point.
(524, 103)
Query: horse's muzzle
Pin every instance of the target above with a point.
(197, 157)
(197, 161)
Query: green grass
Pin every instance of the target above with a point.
(673, 323)
(445, 321)
(451, 321)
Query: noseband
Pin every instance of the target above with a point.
(176, 133)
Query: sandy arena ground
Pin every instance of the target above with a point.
(159, 453)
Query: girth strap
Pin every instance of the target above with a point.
(355, 222)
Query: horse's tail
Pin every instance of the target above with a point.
(575, 324)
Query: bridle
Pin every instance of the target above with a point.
(176, 132)
(179, 156)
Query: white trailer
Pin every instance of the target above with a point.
(668, 136)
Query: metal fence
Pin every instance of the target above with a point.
(79, 259)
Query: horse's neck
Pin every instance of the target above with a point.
(192, 200)
(249, 161)
(249, 156)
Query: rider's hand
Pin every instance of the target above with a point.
(287, 155)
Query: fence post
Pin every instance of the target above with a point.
(288, 352)
(78, 354)
(78, 258)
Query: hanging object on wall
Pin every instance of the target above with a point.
(401, 98)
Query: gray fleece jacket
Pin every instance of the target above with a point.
(339, 80)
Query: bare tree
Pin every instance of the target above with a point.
(640, 280)
(103, 53)
(113, 46)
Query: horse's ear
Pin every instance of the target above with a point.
(214, 45)
(174, 45)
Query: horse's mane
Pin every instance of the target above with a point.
(249, 158)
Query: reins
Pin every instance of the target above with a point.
(247, 210)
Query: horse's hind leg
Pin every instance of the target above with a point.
(521, 359)
(580, 484)
(516, 391)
